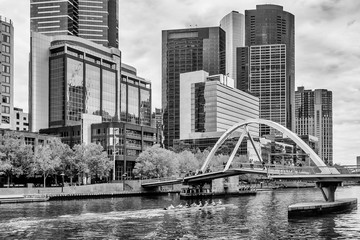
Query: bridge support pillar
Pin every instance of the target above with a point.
(328, 189)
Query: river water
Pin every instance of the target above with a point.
(263, 216)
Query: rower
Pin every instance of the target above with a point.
(213, 203)
(179, 206)
(205, 204)
(219, 202)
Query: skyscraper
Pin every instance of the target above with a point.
(313, 116)
(96, 20)
(234, 27)
(70, 76)
(99, 21)
(186, 50)
(52, 17)
(7, 73)
(270, 38)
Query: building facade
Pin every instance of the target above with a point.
(210, 105)
(186, 50)
(7, 73)
(234, 27)
(270, 71)
(95, 20)
(314, 116)
(99, 21)
(70, 76)
(135, 97)
(53, 17)
(21, 120)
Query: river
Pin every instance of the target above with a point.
(263, 216)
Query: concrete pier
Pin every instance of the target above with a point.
(319, 208)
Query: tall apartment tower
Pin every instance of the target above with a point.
(267, 63)
(95, 20)
(313, 116)
(7, 73)
(234, 27)
(187, 50)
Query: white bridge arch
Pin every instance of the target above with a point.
(313, 156)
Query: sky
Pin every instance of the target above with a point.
(327, 49)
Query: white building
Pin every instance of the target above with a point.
(209, 105)
(234, 26)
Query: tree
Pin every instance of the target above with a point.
(46, 161)
(156, 162)
(15, 155)
(91, 160)
(187, 162)
(98, 162)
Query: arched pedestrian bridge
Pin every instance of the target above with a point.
(320, 172)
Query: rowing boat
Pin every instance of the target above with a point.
(201, 208)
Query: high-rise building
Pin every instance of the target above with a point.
(313, 116)
(234, 27)
(96, 20)
(70, 76)
(53, 17)
(270, 42)
(7, 73)
(99, 21)
(186, 50)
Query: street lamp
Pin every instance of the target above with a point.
(62, 186)
(114, 151)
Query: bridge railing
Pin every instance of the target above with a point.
(292, 170)
(150, 180)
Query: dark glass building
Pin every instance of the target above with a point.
(135, 100)
(96, 20)
(52, 17)
(187, 50)
(99, 21)
(313, 116)
(71, 76)
(266, 66)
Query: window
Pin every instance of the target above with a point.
(5, 28)
(5, 119)
(6, 38)
(5, 109)
(5, 49)
(24, 118)
(17, 115)
(5, 89)
(6, 79)
(6, 99)
(5, 58)
(5, 69)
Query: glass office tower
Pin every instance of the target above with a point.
(70, 76)
(135, 100)
(270, 71)
(99, 21)
(52, 17)
(313, 116)
(186, 50)
(7, 73)
(96, 20)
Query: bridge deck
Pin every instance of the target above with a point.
(345, 173)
